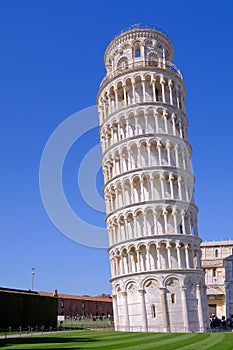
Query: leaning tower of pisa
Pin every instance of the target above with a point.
(154, 248)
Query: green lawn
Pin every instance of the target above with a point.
(122, 340)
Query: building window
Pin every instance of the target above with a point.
(62, 304)
(214, 272)
(212, 309)
(216, 253)
(181, 229)
(173, 298)
(153, 311)
(137, 53)
(96, 308)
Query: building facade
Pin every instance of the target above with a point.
(84, 306)
(157, 280)
(72, 306)
(217, 261)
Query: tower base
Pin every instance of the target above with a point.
(160, 302)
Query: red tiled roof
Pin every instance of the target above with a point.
(77, 297)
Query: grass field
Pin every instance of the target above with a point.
(122, 340)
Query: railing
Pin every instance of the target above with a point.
(142, 26)
(142, 64)
(11, 332)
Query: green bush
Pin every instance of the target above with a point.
(27, 309)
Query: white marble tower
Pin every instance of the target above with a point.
(157, 279)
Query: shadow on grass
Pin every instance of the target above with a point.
(45, 340)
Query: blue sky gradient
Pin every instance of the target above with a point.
(51, 64)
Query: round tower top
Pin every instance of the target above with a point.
(136, 44)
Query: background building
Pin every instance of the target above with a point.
(157, 280)
(217, 261)
(78, 306)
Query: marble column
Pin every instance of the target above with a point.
(185, 309)
(164, 309)
(115, 312)
(126, 325)
(199, 306)
(143, 311)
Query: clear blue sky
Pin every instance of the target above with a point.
(51, 64)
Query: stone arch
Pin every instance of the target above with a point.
(138, 89)
(151, 124)
(134, 159)
(137, 195)
(124, 257)
(139, 222)
(129, 282)
(149, 282)
(152, 59)
(170, 220)
(146, 187)
(148, 88)
(163, 255)
(130, 224)
(160, 221)
(173, 255)
(127, 190)
(129, 90)
(171, 282)
(136, 49)
(120, 95)
(133, 259)
(144, 154)
(158, 88)
(141, 122)
(125, 159)
(150, 220)
(122, 64)
(143, 256)
(153, 256)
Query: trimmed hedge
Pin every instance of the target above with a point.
(27, 309)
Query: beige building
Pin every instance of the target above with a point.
(217, 261)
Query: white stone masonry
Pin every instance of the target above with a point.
(157, 280)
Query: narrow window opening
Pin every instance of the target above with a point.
(216, 253)
(181, 229)
(173, 298)
(214, 272)
(153, 311)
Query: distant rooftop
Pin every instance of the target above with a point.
(77, 297)
(217, 243)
